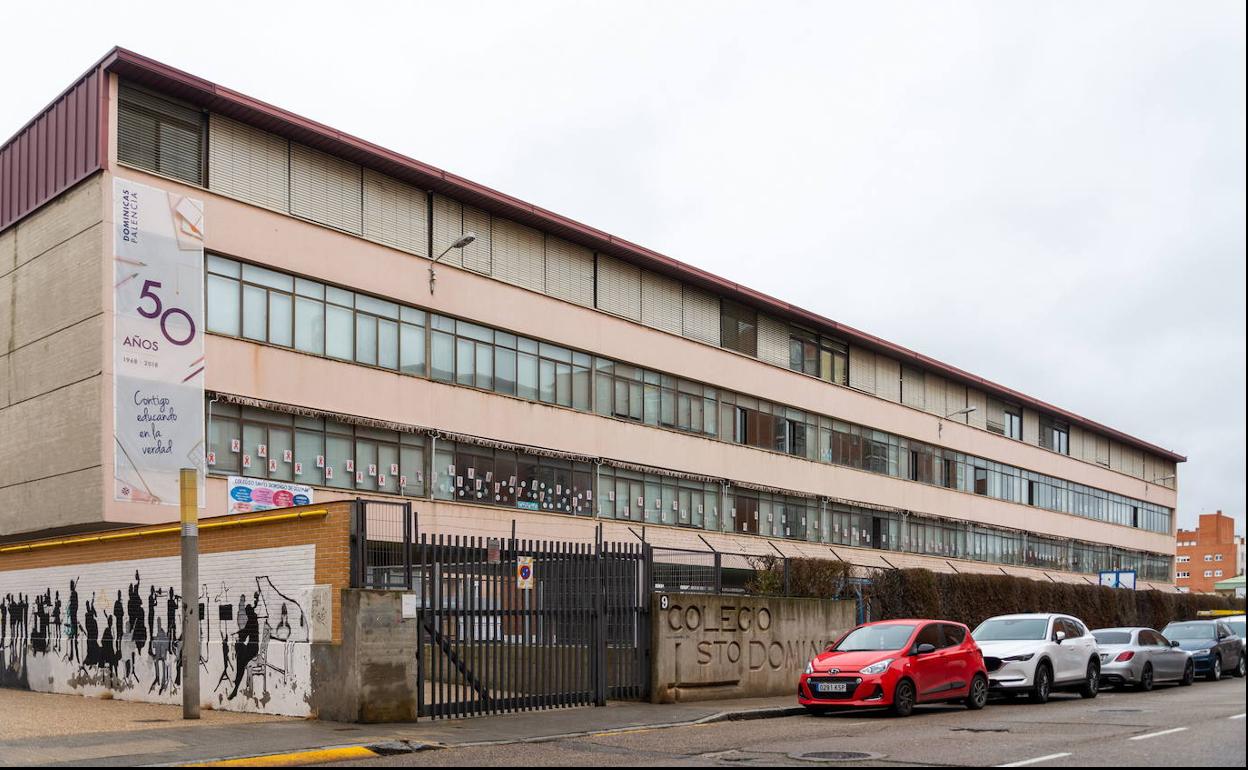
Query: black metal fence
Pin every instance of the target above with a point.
(510, 625)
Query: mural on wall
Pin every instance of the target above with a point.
(113, 627)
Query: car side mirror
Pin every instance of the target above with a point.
(1174, 644)
(1059, 636)
(924, 649)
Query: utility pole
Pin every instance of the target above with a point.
(190, 593)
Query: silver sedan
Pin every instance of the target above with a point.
(1141, 657)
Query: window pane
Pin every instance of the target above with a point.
(443, 357)
(485, 367)
(527, 376)
(505, 371)
(270, 278)
(309, 325)
(223, 305)
(308, 446)
(339, 332)
(365, 339)
(281, 319)
(339, 452)
(412, 349)
(255, 313)
(387, 344)
(547, 383)
(465, 362)
(563, 384)
(580, 388)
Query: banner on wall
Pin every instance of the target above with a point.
(249, 495)
(158, 342)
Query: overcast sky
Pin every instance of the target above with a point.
(1050, 195)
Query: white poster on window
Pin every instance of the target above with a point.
(158, 343)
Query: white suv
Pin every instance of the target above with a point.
(1038, 653)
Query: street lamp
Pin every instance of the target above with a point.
(463, 241)
(1160, 479)
(940, 424)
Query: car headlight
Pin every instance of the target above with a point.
(810, 667)
(1200, 652)
(877, 668)
(1019, 658)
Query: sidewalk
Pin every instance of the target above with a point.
(40, 729)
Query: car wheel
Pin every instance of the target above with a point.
(1215, 671)
(1239, 670)
(1189, 675)
(977, 698)
(903, 699)
(1092, 681)
(1146, 677)
(1042, 688)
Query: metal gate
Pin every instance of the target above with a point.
(512, 625)
(521, 625)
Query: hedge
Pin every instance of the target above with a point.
(972, 598)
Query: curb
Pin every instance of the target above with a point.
(340, 753)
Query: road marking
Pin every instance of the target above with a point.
(294, 758)
(1146, 736)
(1237, 716)
(1045, 758)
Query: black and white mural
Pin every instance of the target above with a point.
(114, 627)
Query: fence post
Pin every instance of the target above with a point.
(719, 573)
(358, 543)
(601, 648)
(407, 546)
(787, 581)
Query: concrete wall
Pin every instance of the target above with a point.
(708, 647)
(52, 337)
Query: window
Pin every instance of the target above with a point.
(160, 135)
(738, 328)
(1217, 557)
(1055, 435)
(1208, 573)
(1013, 422)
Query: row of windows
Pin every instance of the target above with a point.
(326, 452)
(267, 306)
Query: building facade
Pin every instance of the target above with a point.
(1208, 554)
(554, 377)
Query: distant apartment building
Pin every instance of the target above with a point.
(1208, 554)
(558, 378)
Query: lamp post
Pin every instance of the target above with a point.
(463, 241)
(940, 426)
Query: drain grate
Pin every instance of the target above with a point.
(979, 729)
(148, 721)
(1121, 711)
(835, 756)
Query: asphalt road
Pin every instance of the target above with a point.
(1171, 726)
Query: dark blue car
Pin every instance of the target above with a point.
(1214, 646)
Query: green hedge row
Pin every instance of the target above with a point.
(971, 598)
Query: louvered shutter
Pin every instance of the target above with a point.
(887, 378)
(448, 226)
(159, 135)
(248, 164)
(912, 387)
(934, 395)
(701, 315)
(326, 189)
(662, 304)
(519, 254)
(569, 271)
(977, 399)
(773, 341)
(395, 214)
(861, 369)
(619, 287)
(955, 400)
(478, 255)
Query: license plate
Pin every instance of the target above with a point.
(831, 687)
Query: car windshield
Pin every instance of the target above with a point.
(1011, 629)
(875, 638)
(1237, 626)
(1112, 637)
(1189, 631)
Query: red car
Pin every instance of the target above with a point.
(897, 664)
